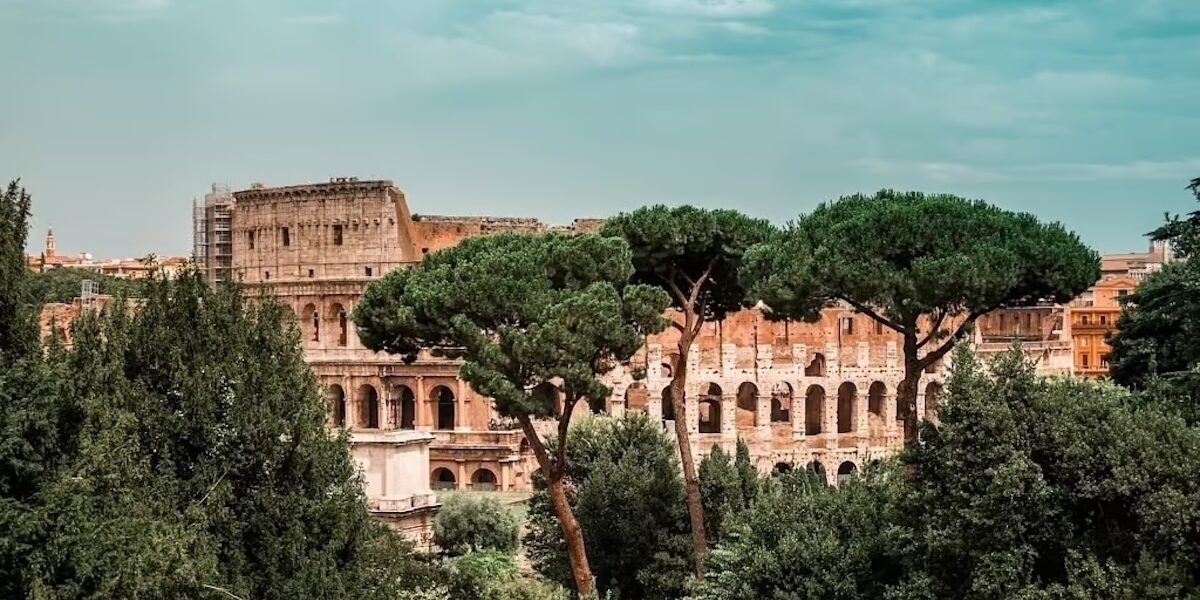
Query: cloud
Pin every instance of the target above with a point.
(329, 19)
(724, 9)
(963, 173)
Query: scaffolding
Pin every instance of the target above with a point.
(212, 233)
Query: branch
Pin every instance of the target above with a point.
(862, 308)
(933, 332)
(696, 287)
(962, 329)
(673, 287)
(564, 422)
(539, 447)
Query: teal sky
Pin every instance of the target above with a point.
(116, 113)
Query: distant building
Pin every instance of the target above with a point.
(1137, 265)
(120, 268)
(212, 234)
(1093, 319)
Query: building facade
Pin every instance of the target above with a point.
(212, 238)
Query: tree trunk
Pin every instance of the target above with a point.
(581, 570)
(906, 394)
(585, 583)
(690, 479)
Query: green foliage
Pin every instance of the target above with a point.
(674, 247)
(1159, 329)
(906, 255)
(727, 487)
(628, 498)
(1029, 488)
(18, 336)
(473, 523)
(1183, 234)
(492, 575)
(522, 309)
(63, 285)
(180, 450)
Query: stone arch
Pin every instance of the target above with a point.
(442, 479)
(310, 323)
(337, 404)
(709, 406)
(636, 398)
(781, 468)
(368, 406)
(548, 399)
(846, 471)
(814, 410)
(446, 406)
(816, 468)
(404, 407)
(483, 480)
(781, 402)
(847, 407)
(747, 405)
(876, 399)
(816, 367)
(933, 395)
(668, 407)
(340, 324)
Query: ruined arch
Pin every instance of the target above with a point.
(310, 323)
(368, 407)
(404, 407)
(636, 398)
(814, 410)
(933, 395)
(446, 406)
(816, 468)
(816, 367)
(846, 471)
(340, 323)
(442, 479)
(846, 407)
(483, 480)
(781, 402)
(668, 407)
(876, 399)
(337, 404)
(747, 405)
(781, 468)
(709, 406)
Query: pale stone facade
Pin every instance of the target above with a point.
(395, 469)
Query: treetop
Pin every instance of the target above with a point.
(676, 248)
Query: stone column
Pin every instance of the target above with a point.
(351, 404)
(424, 421)
(728, 417)
(830, 428)
(462, 407)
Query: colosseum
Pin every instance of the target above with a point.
(815, 394)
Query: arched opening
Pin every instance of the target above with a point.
(547, 400)
(933, 394)
(337, 315)
(445, 406)
(847, 401)
(368, 407)
(337, 404)
(636, 398)
(668, 407)
(404, 403)
(710, 409)
(310, 323)
(814, 409)
(666, 371)
(817, 469)
(747, 405)
(483, 481)
(816, 367)
(845, 472)
(781, 468)
(525, 448)
(875, 401)
(781, 402)
(442, 479)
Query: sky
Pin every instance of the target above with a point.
(117, 113)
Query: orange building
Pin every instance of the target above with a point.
(1093, 317)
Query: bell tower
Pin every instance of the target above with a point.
(50, 247)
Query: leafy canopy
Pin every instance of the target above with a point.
(472, 523)
(903, 255)
(522, 310)
(674, 248)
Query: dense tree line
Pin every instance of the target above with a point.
(64, 285)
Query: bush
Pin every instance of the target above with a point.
(474, 523)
